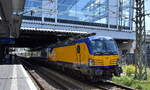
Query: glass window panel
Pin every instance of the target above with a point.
(83, 10)
(48, 9)
(95, 11)
(66, 9)
(34, 5)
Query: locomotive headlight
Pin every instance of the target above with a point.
(118, 61)
(90, 62)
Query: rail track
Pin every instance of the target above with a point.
(55, 80)
(36, 76)
(109, 85)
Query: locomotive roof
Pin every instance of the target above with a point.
(100, 37)
(80, 40)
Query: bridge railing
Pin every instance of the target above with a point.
(44, 21)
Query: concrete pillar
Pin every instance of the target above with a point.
(126, 46)
(2, 54)
(4, 30)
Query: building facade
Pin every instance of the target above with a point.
(111, 12)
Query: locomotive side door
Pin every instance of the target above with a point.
(78, 50)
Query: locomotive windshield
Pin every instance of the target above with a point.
(104, 47)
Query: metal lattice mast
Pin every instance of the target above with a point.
(140, 41)
(120, 14)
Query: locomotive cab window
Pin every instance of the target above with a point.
(50, 50)
(104, 46)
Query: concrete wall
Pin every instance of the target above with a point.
(10, 17)
(4, 30)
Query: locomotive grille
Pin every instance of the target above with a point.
(99, 62)
(113, 61)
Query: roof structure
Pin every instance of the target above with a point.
(37, 37)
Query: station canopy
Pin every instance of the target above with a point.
(38, 37)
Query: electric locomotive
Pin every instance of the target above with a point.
(93, 56)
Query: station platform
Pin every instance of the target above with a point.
(15, 77)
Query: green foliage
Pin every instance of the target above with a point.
(128, 69)
(125, 80)
(148, 75)
(139, 87)
(128, 79)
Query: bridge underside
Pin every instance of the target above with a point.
(36, 39)
(98, 28)
(39, 39)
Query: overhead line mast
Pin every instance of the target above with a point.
(140, 51)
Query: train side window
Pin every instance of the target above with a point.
(50, 50)
(78, 49)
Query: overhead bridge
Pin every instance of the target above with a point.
(98, 28)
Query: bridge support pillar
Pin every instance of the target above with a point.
(2, 54)
(126, 46)
(4, 50)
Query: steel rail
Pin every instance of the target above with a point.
(64, 82)
(109, 85)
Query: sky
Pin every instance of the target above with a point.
(147, 18)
